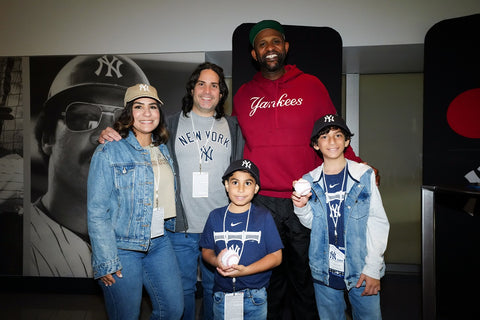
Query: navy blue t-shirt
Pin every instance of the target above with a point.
(261, 238)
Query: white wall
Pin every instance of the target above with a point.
(51, 27)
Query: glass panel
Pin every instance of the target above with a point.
(391, 122)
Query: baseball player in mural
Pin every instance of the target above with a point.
(85, 97)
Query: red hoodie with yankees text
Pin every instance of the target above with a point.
(276, 118)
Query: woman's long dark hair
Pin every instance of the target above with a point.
(124, 125)
(187, 101)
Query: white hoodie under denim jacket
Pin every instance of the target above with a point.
(366, 225)
(120, 201)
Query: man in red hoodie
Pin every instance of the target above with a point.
(276, 111)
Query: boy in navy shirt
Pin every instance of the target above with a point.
(242, 242)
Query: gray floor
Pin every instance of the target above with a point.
(401, 298)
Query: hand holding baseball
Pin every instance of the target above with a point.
(302, 192)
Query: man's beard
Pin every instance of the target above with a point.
(272, 68)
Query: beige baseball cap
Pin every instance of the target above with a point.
(141, 90)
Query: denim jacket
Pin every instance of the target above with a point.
(120, 201)
(366, 225)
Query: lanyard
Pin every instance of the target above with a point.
(335, 210)
(225, 236)
(156, 167)
(198, 144)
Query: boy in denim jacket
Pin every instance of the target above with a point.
(342, 206)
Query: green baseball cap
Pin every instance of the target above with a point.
(262, 25)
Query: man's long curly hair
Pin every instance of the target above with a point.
(187, 101)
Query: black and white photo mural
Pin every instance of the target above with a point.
(72, 99)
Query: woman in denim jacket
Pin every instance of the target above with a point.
(131, 200)
(349, 226)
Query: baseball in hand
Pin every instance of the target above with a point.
(302, 187)
(230, 258)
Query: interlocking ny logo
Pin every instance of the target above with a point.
(111, 66)
(144, 87)
(207, 153)
(329, 118)
(246, 164)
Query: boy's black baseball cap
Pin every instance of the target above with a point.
(329, 120)
(243, 165)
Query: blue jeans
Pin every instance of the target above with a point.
(189, 257)
(154, 269)
(254, 304)
(331, 303)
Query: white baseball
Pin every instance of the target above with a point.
(302, 187)
(230, 258)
